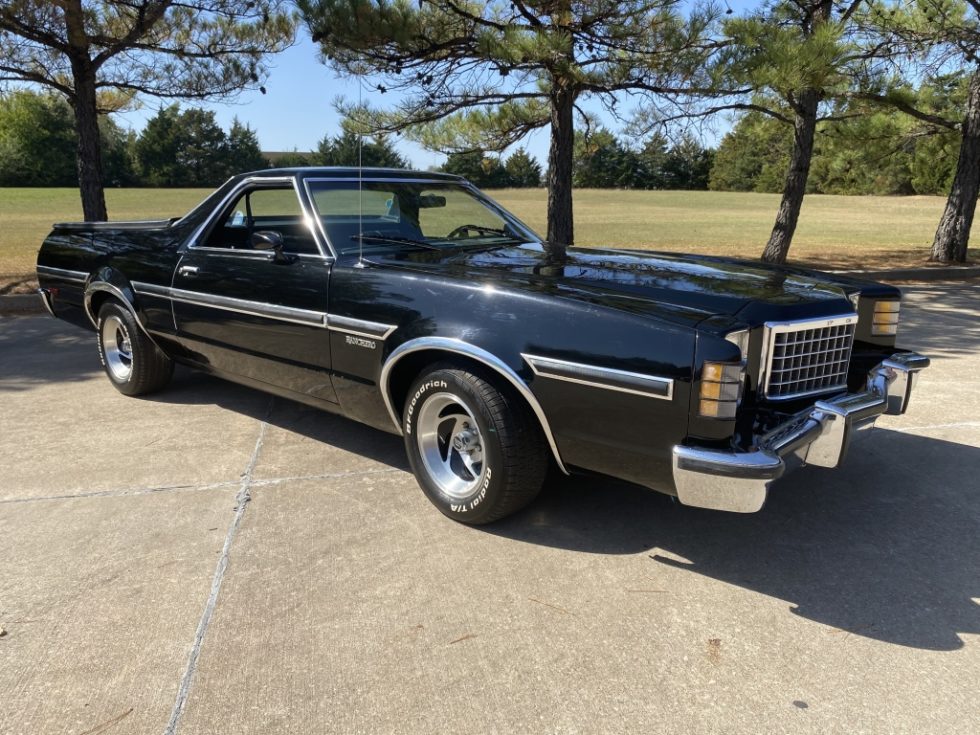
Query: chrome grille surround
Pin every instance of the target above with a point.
(808, 357)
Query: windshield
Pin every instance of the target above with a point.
(382, 216)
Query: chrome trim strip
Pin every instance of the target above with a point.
(649, 386)
(388, 179)
(151, 289)
(45, 295)
(458, 346)
(771, 329)
(239, 306)
(359, 327)
(63, 273)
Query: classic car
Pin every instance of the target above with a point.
(414, 303)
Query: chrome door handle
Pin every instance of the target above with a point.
(187, 270)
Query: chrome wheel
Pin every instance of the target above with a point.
(450, 444)
(117, 348)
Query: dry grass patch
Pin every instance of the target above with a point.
(834, 231)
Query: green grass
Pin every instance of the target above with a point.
(834, 231)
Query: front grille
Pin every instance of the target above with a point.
(808, 357)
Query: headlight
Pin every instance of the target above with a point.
(885, 320)
(721, 389)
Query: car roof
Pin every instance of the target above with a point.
(352, 172)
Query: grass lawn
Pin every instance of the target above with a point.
(834, 231)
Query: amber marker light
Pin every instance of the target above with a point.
(721, 389)
(884, 322)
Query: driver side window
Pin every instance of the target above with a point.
(261, 209)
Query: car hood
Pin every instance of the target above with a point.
(682, 288)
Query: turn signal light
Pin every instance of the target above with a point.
(721, 389)
(884, 322)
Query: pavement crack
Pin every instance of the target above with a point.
(119, 492)
(241, 503)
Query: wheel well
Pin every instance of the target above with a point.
(411, 365)
(96, 300)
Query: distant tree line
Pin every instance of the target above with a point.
(879, 152)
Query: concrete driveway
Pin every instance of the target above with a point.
(212, 560)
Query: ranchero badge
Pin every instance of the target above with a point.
(358, 342)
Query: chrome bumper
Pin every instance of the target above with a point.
(739, 481)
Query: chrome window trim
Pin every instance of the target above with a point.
(63, 273)
(262, 309)
(236, 191)
(532, 236)
(659, 387)
(360, 327)
(771, 329)
(458, 346)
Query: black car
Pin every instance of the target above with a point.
(411, 302)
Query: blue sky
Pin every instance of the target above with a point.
(297, 109)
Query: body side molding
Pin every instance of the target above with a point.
(458, 346)
(624, 381)
(360, 327)
(63, 273)
(239, 306)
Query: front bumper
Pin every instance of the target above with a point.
(739, 481)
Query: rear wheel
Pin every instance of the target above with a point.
(475, 449)
(132, 362)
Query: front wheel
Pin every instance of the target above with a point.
(476, 450)
(132, 362)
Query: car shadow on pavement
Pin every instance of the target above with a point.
(43, 350)
(886, 547)
(191, 387)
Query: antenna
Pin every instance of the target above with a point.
(360, 183)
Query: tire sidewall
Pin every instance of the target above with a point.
(112, 309)
(482, 501)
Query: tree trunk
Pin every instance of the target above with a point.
(89, 156)
(804, 128)
(560, 228)
(953, 235)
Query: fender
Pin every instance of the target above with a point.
(114, 283)
(459, 347)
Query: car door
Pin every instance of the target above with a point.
(258, 314)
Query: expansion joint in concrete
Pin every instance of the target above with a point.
(241, 502)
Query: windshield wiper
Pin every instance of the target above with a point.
(396, 240)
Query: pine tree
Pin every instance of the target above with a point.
(795, 56)
(100, 54)
(481, 76)
(941, 34)
(350, 149)
(523, 171)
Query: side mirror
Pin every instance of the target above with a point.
(267, 240)
(271, 241)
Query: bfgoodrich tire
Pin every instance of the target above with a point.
(475, 449)
(133, 364)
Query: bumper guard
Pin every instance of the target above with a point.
(739, 481)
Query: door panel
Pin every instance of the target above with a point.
(256, 313)
(257, 318)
